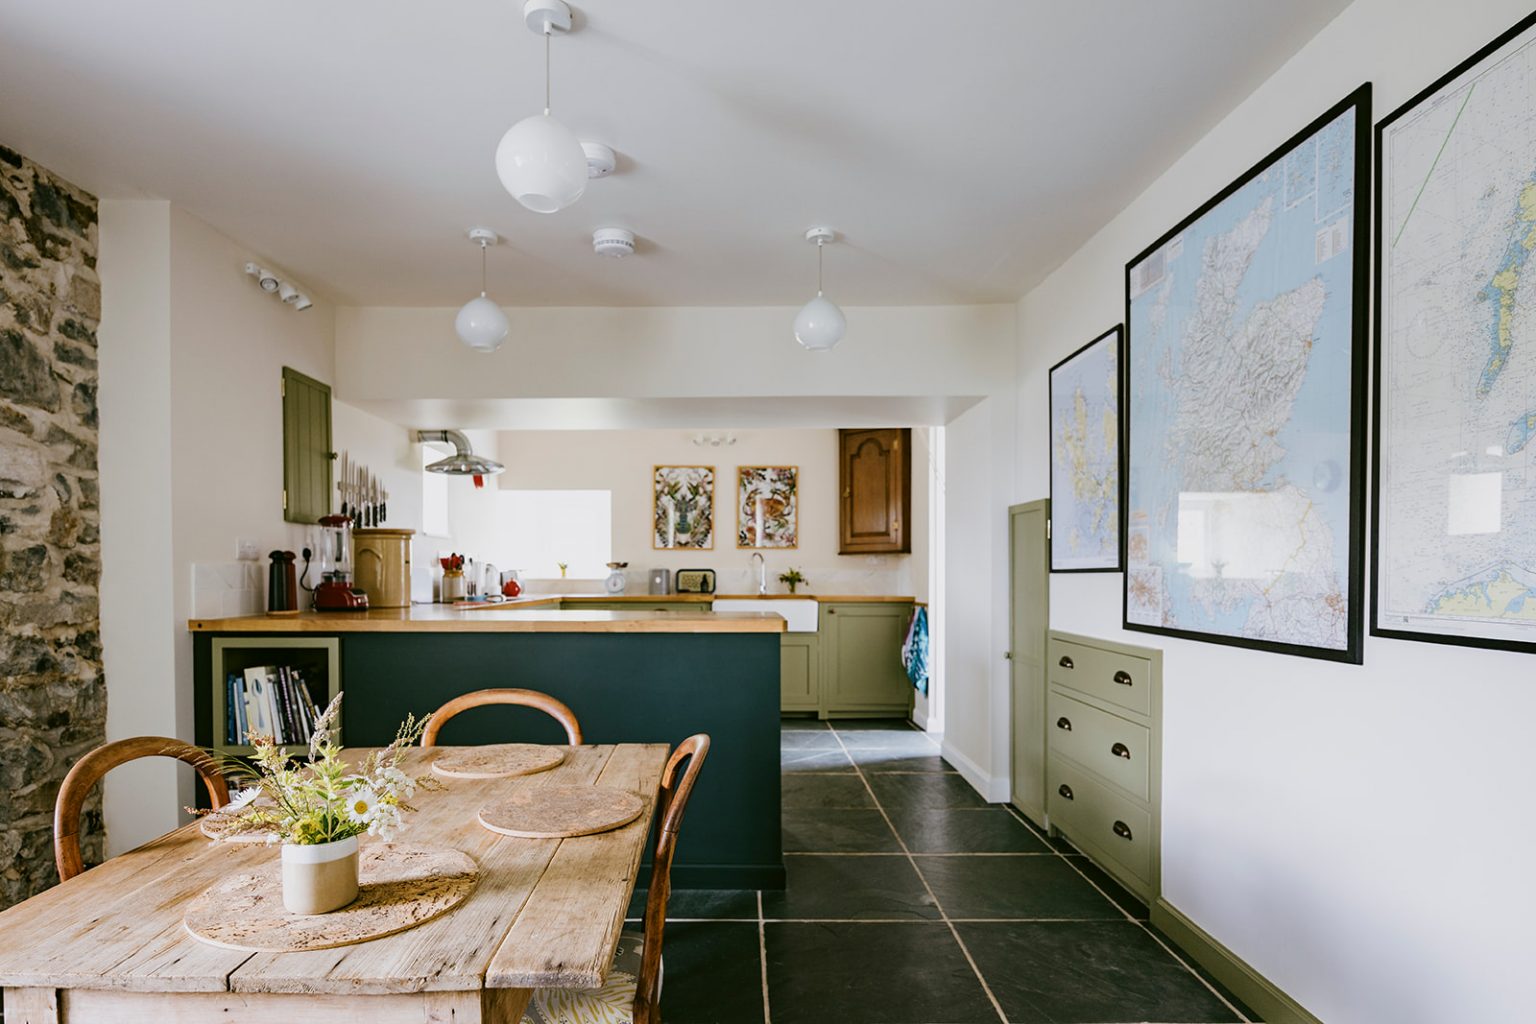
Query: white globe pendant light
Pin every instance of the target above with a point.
(480, 323)
(820, 324)
(539, 160)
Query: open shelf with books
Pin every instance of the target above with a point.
(277, 685)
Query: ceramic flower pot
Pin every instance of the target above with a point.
(320, 878)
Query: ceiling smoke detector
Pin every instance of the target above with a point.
(601, 160)
(616, 242)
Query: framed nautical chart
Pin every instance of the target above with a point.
(1455, 508)
(1245, 359)
(1086, 456)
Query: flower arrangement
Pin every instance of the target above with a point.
(791, 579)
(321, 799)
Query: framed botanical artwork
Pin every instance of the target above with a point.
(683, 508)
(1245, 405)
(1087, 457)
(768, 507)
(1455, 494)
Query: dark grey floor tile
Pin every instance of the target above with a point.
(1057, 843)
(964, 830)
(807, 790)
(867, 973)
(713, 904)
(837, 830)
(1113, 889)
(799, 739)
(928, 790)
(850, 887)
(712, 974)
(814, 759)
(809, 723)
(1207, 977)
(898, 759)
(908, 742)
(1087, 972)
(1013, 887)
(872, 725)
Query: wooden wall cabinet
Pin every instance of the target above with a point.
(875, 477)
(307, 454)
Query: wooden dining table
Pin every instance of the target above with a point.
(110, 945)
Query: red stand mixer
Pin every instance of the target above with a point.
(334, 592)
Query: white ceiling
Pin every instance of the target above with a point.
(962, 149)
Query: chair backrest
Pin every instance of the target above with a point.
(88, 771)
(673, 801)
(527, 698)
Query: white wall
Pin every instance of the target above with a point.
(138, 634)
(621, 461)
(1360, 835)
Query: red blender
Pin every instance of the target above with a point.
(334, 592)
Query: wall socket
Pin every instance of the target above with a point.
(247, 550)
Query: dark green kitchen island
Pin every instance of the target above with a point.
(630, 677)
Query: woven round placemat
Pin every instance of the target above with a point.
(400, 886)
(497, 761)
(554, 812)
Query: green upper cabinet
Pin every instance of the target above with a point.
(307, 454)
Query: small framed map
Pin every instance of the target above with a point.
(1086, 456)
(1455, 495)
(683, 508)
(768, 507)
(1245, 405)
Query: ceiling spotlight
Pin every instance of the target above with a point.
(287, 292)
(540, 162)
(480, 323)
(615, 242)
(820, 324)
(301, 301)
(263, 276)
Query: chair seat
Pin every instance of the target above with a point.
(613, 1003)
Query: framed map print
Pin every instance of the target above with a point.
(767, 507)
(683, 508)
(1245, 411)
(1455, 506)
(1086, 457)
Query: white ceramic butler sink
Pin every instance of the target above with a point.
(801, 613)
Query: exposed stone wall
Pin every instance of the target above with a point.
(53, 702)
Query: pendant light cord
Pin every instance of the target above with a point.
(547, 33)
(482, 267)
(819, 245)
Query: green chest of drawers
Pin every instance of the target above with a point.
(1104, 755)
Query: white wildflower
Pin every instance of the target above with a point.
(362, 804)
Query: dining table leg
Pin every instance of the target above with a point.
(31, 1005)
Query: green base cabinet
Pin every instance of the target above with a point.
(799, 672)
(861, 671)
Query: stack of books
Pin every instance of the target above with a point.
(268, 700)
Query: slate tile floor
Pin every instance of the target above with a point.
(913, 901)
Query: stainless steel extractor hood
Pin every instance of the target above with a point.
(462, 462)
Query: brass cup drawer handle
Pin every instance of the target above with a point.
(1121, 750)
(1065, 790)
(1065, 662)
(1123, 678)
(1122, 830)
(1064, 724)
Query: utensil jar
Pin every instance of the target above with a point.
(319, 878)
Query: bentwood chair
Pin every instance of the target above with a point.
(88, 771)
(527, 698)
(632, 993)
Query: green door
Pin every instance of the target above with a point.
(1029, 620)
(307, 453)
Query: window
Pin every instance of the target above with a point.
(540, 529)
(434, 494)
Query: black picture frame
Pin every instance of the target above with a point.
(1353, 651)
(1117, 335)
(1504, 38)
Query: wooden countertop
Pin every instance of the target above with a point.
(510, 617)
(554, 600)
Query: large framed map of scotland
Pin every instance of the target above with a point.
(1456, 355)
(1246, 343)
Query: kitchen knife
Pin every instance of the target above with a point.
(341, 482)
(383, 504)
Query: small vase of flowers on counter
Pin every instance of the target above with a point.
(791, 579)
(318, 807)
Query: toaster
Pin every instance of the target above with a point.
(695, 581)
